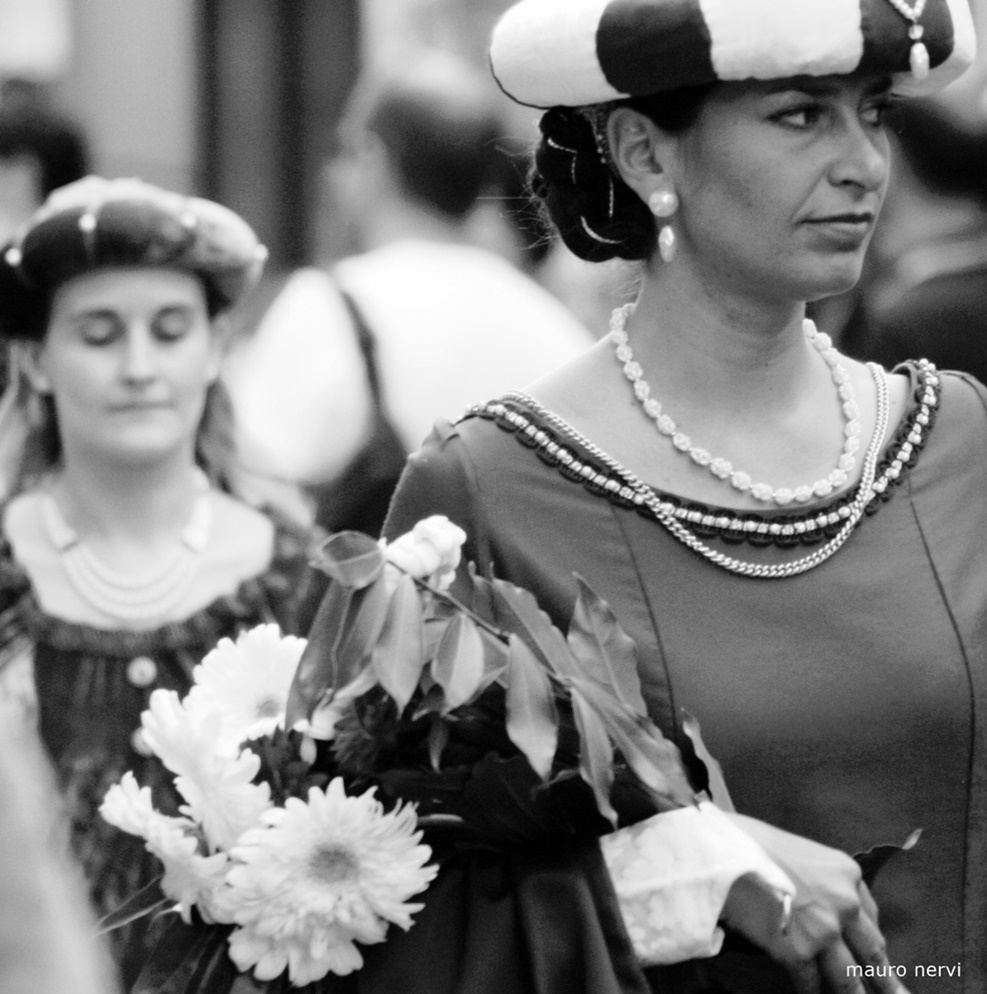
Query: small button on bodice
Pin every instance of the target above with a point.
(141, 671)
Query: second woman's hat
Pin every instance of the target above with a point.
(548, 53)
(96, 222)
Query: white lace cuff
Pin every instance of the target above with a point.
(672, 874)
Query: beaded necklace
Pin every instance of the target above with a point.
(722, 468)
(131, 597)
(623, 482)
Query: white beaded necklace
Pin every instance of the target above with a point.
(131, 597)
(722, 468)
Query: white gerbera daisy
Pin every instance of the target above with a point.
(217, 787)
(320, 876)
(245, 684)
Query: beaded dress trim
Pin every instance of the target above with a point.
(561, 447)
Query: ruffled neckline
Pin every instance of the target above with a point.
(253, 598)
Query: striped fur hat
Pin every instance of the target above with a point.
(549, 53)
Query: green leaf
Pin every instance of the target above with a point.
(347, 625)
(399, 655)
(351, 558)
(149, 899)
(653, 758)
(532, 719)
(458, 663)
(518, 612)
(438, 738)
(595, 754)
(872, 860)
(715, 781)
(604, 651)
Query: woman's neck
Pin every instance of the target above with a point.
(727, 351)
(137, 504)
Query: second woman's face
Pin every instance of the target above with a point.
(781, 183)
(128, 357)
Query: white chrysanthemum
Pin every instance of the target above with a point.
(244, 684)
(128, 806)
(217, 787)
(189, 877)
(320, 876)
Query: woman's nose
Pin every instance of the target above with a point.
(863, 158)
(138, 355)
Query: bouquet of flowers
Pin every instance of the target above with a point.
(310, 769)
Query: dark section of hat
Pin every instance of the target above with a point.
(886, 41)
(121, 233)
(646, 47)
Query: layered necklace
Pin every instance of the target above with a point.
(723, 469)
(132, 597)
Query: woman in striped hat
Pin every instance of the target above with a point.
(792, 538)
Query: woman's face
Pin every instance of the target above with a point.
(128, 356)
(780, 183)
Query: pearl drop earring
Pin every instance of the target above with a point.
(666, 243)
(663, 202)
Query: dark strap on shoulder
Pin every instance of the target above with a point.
(366, 341)
(359, 498)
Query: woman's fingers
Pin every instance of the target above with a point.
(840, 971)
(866, 943)
(867, 902)
(805, 976)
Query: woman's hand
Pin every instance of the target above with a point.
(832, 929)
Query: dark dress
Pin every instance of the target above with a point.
(92, 685)
(845, 704)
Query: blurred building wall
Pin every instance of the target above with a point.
(133, 84)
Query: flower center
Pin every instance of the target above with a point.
(270, 707)
(333, 866)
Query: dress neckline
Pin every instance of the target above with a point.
(581, 461)
(252, 596)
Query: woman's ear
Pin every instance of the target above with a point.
(639, 149)
(29, 356)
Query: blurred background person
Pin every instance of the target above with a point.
(40, 150)
(927, 294)
(924, 289)
(125, 552)
(349, 368)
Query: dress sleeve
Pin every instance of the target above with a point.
(439, 479)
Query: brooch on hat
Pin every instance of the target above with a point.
(918, 58)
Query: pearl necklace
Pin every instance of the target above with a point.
(134, 598)
(851, 514)
(722, 468)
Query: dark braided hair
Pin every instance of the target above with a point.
(595, 213)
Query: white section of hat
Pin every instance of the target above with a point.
(772, 39)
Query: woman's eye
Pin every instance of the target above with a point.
(172, 325)
(99, 330)
(877, 114)
(803, 116)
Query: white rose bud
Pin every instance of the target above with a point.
(431, 551)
